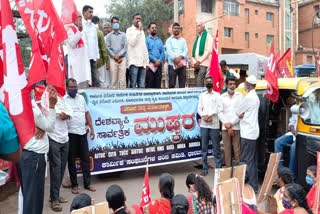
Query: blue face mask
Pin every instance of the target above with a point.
(72, 92)
(309, 180)
(286, 204)
(116, 26)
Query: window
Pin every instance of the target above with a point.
(231, 7)
(206, 6)
(246, 36)
(256, 35)
(269, 16)
(256, 12)
(309, 59)
(246, 11)
(270, 39)
(227, 32)
(317, 9)
(181, 7)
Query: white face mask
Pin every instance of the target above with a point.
(230, 91)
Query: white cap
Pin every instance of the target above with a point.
(251, 79)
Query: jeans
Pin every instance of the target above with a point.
(32, 168)
(58, 157)
(78, 147)
(153, 79)
(213, 135)
(279, 145)
(94, 73)
(200, 75)
(137, 76)
(248, 155)
(182, 76)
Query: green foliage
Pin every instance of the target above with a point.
(150, 10)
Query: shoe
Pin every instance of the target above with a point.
(75, 190)
(55, 206)
(204, 173)
(90, 188)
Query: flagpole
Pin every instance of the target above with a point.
(218, 17)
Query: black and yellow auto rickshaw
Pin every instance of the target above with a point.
(274, 119)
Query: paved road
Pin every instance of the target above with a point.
(131, 181)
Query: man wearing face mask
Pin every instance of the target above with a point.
(230, 122)
(78, 143)
(249, 130)
(156, 57)
(138, 57)
(116, 42)
(209, 107)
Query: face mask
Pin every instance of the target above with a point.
(116, 26)
(209, 85)
(72, 92)
(246, 89)
(309, 180)
(230, 91)
(286, 204)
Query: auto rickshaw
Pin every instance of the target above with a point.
(274, 119)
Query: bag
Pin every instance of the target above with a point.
(268, 205)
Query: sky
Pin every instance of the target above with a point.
(98, 6)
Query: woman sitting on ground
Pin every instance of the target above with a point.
(80, 201)
(116, 200)
(166, 189)
(200, 199)
(294, 200)
(179, 204)
(284, 177)
(249, 197)
(311, 181)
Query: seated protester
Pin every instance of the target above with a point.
(116, 200)
(249, 197)
(294, 200)
(200, 199)
(179, 205)
(311, 180)
(284, 177)
(166, 189)
(80, 201)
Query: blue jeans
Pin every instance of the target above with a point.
(279, 145)
(213, 135)
(137, 76)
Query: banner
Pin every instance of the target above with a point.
(133, 127)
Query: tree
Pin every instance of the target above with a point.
(150, 10)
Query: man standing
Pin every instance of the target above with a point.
(201, 53)
(117, 48)
(137, 53)
(78, 143)
(103, 61)
(32, 165)
(91, 40)
(209, 107)
(249, 130)
(78, 52)
(58, 156)
(156, 58)
(230, 122)
(177, 51)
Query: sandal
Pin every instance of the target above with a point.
(90, 188)
(61, 200)
(55, 206)
(75, 190)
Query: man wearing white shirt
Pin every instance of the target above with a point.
(249, 130)
(78, 143)
(32, 165)
(91, 40)
(230, 122)
(58, 157)
(209, 107)
(138, 57)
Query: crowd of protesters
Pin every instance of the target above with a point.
(114, 59)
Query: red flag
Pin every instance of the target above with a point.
(69, 13)
(16, 93)
(145, 196)
(272, 77)
(284, 65)
(318, 65)
(215, 71)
